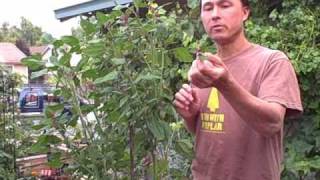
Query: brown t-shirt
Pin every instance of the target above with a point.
(226, 147)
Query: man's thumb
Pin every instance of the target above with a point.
(195, 94)
(214, 59)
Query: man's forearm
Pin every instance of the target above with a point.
(266, 118)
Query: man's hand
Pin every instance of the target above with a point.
(186, 102)
(208, 73)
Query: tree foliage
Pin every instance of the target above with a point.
(27, 32)
(293, 27)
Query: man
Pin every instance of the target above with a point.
(237, 100)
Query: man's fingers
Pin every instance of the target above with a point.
(204, 65)
(193, 69)
(210, 73)
(187, 87)
(180, 105)
(200, 80)
(181, 98)
(214, 58)
(208, 70)
(186, 93)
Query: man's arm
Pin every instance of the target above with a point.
(190, 124)
(264, 117)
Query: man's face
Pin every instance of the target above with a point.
(223, 19)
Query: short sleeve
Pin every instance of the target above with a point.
(279, 84)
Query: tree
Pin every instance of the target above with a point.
(46, 38)
(7, 33)
(27, 32)
(30, 33)
(23, 46)
(4, 31)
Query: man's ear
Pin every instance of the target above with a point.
(246, 12)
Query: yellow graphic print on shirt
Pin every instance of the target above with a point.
(212, 121)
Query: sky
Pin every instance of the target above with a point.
(40, 13)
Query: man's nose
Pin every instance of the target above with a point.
(215, 13)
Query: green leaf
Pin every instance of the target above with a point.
(315, 162)
(55, 160)
(42, 145)
(65, 59)
(139, 3)
(39, 73)
(118, 61)
(95, 49)
(4, 154)
(58, 43)
(52, 139)
(73, 121)
(32, 63)
(39, 126)
(193, 4)
(163, 166)
(102, 18)
(54, 108)
(70, 40)
(114, 116)
(156, 129)
(188, 28)
(109, 77)
(87, 26)
(183, 55)
(90, 73)
(147, 77)
(123, 101)
(185, 148)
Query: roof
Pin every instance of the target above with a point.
(10, 54)
(90, 7)
(39, 49)
(87, 7)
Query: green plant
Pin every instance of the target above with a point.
(128, 76)
(293, 27)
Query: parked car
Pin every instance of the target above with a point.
(35, 99)
(31, 99)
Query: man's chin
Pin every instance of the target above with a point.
(220, 39)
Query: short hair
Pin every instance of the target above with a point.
(245, 3)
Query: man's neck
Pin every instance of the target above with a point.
(234, 47)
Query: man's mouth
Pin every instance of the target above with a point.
(217, 28)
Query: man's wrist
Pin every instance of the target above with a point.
(225, 84)
(190, 117)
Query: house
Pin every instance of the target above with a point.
(44, 51)
(10, 58)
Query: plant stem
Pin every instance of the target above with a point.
(131, 144)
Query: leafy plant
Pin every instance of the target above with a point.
(127, 76)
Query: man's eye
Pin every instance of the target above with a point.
(225, 5)
(207, 8)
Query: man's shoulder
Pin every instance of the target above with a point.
(271, 54)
